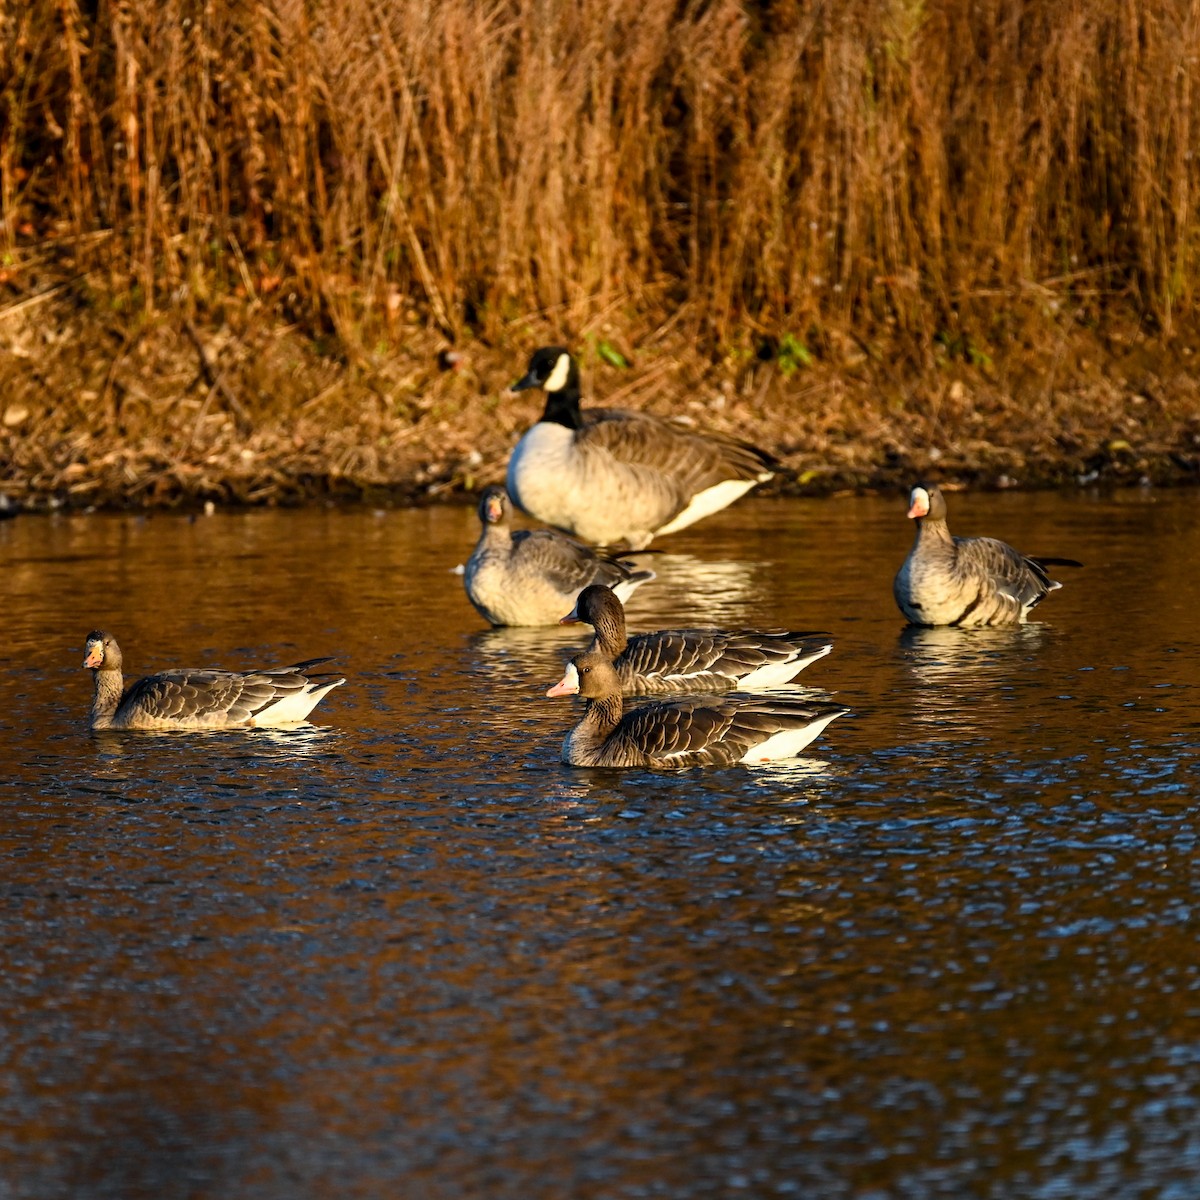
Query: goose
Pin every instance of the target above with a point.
(199, 699)
(693, 660)
(530, 576)
(947, 580)
(694, 731)
(612, 476)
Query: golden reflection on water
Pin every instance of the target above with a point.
(299, 740)
(406, 952)
(693, 591)
(964, 674)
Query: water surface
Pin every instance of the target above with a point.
(406, 952)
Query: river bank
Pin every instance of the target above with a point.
(940, 240)
(163, 413)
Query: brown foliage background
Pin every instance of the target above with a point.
(765, 165)
(875, 234)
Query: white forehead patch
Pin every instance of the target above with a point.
(918, 501)
(557, 379)
(571, 678)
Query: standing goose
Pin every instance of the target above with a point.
(695, 731)
(199, 699)
(608, 475)
(529, 577)
(947, 580)
(693, 660)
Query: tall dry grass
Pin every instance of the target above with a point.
(881, 165)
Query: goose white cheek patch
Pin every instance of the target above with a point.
(558, 377)
(918, 503)
(568, 685)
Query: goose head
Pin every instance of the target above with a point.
(926, 501)
(599, 607)
(589, 675)
(554, 371)
(102, 652)
(494, 506)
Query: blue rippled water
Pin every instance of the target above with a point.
(405, 952)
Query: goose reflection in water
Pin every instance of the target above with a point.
(970, 668)
(303, 740)
(592, 793)
(519, 653)
(791, 781)
(694, 591)
(686, 586)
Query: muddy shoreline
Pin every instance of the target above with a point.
(171, 415)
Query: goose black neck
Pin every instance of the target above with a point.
(562, 407)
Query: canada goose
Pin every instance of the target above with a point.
(608, 475)
(530, 576)
(693, 660)
(199, 699)
(687, 732)
(947, 580)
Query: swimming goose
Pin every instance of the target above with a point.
(695, 731)
(608, 475)
(947, 580)
(199, 699)
(693, 660)
(529, 577)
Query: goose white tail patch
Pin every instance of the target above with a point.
(294, 708)
(704, 504)
(626, 588)
(776, 674)
(789, 742)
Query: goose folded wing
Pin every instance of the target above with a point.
(719, 655)
(671, 652)
(1042, 561)
(760, 717)
(566, 564)
(1007, 570)
(194, 696)
(745, 650)
(696, 460)
(300, 668)
(671, 729)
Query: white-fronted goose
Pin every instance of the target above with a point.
(696, 731)
(199, 699)
(947, 580)
(608, 475)
(693, 660)
(531, 576)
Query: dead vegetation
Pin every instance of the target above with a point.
(946, 235)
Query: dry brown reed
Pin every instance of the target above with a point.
(885, 166)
